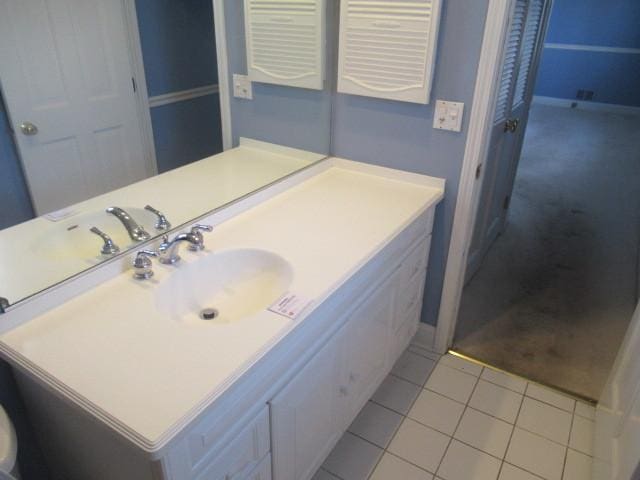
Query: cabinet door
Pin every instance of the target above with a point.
(367, 345)
(304, 416)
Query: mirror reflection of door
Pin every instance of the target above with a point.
(109, 91)
(507, 135)
(67, 82)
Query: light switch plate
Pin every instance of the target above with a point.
(242, 87)
(448, 116)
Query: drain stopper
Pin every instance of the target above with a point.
(208, 313)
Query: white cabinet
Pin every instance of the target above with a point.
(304, 416)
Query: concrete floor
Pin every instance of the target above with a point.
(555, 293)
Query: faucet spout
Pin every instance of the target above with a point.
(135, 231)
(169, 248)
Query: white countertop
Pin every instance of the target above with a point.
(32, 258)
(144, 372)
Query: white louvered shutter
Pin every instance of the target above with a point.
(387, 48)
(510, 62)
(529, 41)
(285, 42)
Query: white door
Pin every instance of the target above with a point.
(65, 69)
(305, 416)
(617, 434)
(521, 54)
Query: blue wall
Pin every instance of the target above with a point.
(295, 117)
(15, 203)
(179, 53)
(613, 77)
(401, 135)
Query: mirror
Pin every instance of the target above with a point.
(116, 103)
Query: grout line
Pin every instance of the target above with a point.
(523, 469)
(458, 424)
(566, 450)
(515, 422)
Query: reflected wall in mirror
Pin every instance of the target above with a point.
(116, 103)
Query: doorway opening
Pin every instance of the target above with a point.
(552, 272)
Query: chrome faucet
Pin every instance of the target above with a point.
(168, 250)
(135, 231)
(109, 248)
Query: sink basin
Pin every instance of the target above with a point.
(229, 285)
(71, 238)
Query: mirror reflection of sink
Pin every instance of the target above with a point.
(71, 238)
(229, 285)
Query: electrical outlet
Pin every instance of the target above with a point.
(242, 87)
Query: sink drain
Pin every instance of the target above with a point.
(208, 313)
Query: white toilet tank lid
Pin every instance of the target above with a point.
(8, 443)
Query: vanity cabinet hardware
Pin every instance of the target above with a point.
(162, 223)
(108, 247)
(4, 304)
(28, 129)
(135, 231)
(142, 264)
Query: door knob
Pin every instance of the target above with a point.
(29, 128)
(511, 125)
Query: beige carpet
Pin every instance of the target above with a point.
(555, 293)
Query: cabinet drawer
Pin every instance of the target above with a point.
(243, 453)
(408, 328)
(415, 264)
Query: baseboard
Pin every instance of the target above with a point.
(425, 336)
(582, 105)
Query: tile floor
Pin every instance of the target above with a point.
(450, 419)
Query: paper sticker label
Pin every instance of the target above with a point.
(290, 305)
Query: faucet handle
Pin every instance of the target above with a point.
(197, 230)
(142, 264)
(162, 223)
(109, 248)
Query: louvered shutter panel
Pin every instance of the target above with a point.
(529, 40)
(285, 42)
(387, 48)
(510, 62)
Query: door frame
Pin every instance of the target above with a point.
(476, 150)
(222, 53)
(141, 94)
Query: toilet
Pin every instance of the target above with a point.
(8, 448)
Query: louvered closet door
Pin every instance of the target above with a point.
(520, 60)
(387, 48)
(286, 42)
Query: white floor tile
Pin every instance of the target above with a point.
(424, 352)
(585, 410)
(352, 458)
(462, 462)
(461, 364)
(451, 383)
(577, 466)
(511, 382)
(322, 474)
(420, 445)
(536, 454)
(394, 468)
(551, 397)
(396, 394)
(413, 367)
(545, 420)
(376, 424)
(509, 472)
(582, 435)
(436, 411)
(484, 432)
(496, 400)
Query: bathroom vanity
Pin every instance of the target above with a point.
(126, 380)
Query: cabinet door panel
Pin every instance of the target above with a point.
(366, 348)
(303, 417)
